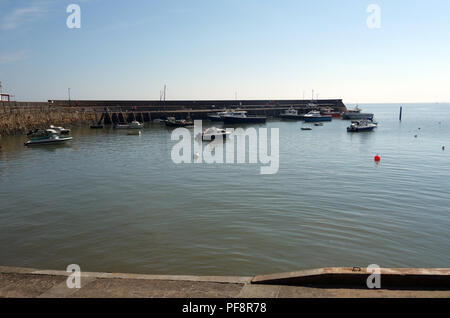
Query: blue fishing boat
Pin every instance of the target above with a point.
(315, 116)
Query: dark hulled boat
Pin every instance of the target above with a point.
(218, 116)
(355, 114)
(240, 117)
(291, 114)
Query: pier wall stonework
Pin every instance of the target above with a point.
(16, 120)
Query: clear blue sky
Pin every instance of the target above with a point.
(204, 49)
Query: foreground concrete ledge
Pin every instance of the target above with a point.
(188, 278)
(336, 282)
(339, 276)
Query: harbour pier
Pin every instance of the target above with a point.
(20, 117)
(113, 112)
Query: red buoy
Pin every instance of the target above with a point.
(377, 158)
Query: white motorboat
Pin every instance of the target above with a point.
(133, 125)
(212, 133)
(48, 136)
(361, 125)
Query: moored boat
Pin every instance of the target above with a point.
(218, 116)
(241, 117)
(355, 114)
(133, 125)
(329, 111)
(361, 125)
(212, 133)
(291, 114)
(48, 136)
(315, 116)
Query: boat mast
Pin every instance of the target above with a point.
(164, 96)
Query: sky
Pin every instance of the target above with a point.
(223, 49)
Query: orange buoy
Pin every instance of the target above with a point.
(377, 158)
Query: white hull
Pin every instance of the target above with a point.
(48, 141)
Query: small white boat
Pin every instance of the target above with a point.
(136, 125)
(361, 125)
(133, 125)
(212, 133)
(49, 136)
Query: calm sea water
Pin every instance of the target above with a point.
(113, 202)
